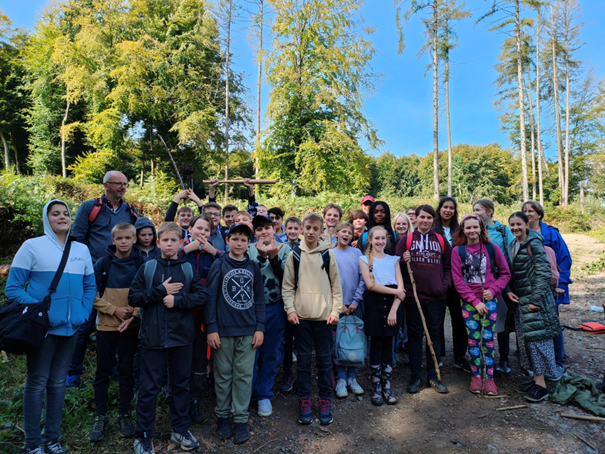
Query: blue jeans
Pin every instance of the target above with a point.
(345, 372)
(46, 371)
(269, 355)
(320, 335)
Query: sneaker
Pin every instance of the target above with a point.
(354, 386)
(97, 432)
(125, 426)
(462, 363)
(72, 381)
(476, 385)
(503, 368)
(536, 394)
(490, 387)
(438, 386)
(325, 412)
(414, 386)
(53, 448)
(264, 408)
(341, 388)
(37, 450)
(223, 428)
(195, 414)
(559, 372)
(242, 433)
(525, 387)
(143, 446)
(187, 441)
(306, 411)
(288, 384)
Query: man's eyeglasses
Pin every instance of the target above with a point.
(117, 183)
(214, 215)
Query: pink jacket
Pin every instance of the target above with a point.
(470, 290)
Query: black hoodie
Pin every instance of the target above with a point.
(154, 251)
(235, 297)
(162, 327)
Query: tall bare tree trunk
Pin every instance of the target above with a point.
(435, 105)
(18, 168)
(521, 104)
(447, 119)
(228, 49)
(533, 133)
(259, 84)
(582, 197)
(566, 183)
(6, 155)
(63, 161)
(540, 151)
(555, 79)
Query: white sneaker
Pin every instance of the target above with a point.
(341, 388)
(265, 408)
(354, 386)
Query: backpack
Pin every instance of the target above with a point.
(593, 327)
(106, 262)
(409, 238)
(96, 209)
(325, 257)
(502, 229)
(491, 253)
(350, 342)
(552, 259)
(152, 265)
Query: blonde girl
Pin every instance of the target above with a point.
(402, 225)
(382, 276)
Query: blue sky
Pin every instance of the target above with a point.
(401, 106)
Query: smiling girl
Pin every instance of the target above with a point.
(380, 215)
(402, 225)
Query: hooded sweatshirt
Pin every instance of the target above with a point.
(317, 296)
(501, 236)
(120, 276)
(154, 251)
(431, 266)
(35, 265)
(235, 297)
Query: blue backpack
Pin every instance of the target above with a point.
(350, 342)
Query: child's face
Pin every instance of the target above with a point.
(380, 215)
(379, 240)
(123, 241)
(276, 220)
(401, 226)
(238, 243)
(344, 237)
(215, 214)
(332, 217)
(169, 244)
(59, 219)
(424, 221)
(201, 229)
(366, 207)
(262, 209)
(359, 224)
(264, 233)
(243, 219)
(229, 217)
(311, 232)
(293, 231)
(145, 236)
(472, 229)
(183, 218)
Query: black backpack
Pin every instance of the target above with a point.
(325, 257)
(491, 253)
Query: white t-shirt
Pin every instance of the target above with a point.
(384, 269)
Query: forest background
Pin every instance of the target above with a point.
(96, 85)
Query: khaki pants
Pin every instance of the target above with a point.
(233, 370)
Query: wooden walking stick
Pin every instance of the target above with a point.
(242, 181)
(426, 330)
(482, 321)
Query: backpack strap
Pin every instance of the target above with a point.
(96, 209)
(408, 241)
(188, 270)
(296, 259)
(150, 268)
(441, 242)
(106, 263)
(462, 254)
(133, 213)
(55, 282)
(530, 252)
(491, 253)
(325, 258)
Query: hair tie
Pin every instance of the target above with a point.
(472, 215)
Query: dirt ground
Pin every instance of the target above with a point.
(427, 422)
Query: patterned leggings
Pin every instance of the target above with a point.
(473, 322)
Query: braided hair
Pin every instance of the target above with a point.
(370, 249)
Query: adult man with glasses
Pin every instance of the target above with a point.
(218, 233)
(93, 224)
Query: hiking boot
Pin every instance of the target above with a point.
(125, 426)
(490, 387)
(414, 386)
(72, 381)
(53, 447)
(559, 372)
(524, 387)
(476, 385)
(37, 450)
(187, 441)
(306, 411)
(377, 398)
(387, 393)
(97, 432)
(288, 384)
(242, 433)
(354, 386)
(223, 428)
(438, 386)
(463, 364)
(536, 394)
(325, 411)
(341, 388)
(195, 414)
(264, 408)
(503, 367)
(143, 446)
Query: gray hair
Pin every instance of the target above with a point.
(110, 174)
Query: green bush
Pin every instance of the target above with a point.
(568, 219)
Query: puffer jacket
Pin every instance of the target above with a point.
(531, 283)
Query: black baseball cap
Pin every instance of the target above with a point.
(260, 219)
(239, 228)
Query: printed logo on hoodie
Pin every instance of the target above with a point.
(238, 288)
(426, 251)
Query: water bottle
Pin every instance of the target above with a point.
(597, 308)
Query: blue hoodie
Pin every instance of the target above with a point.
(155, 251)
(35, 265)
(554, 240)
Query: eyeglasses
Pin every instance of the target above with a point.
(118, 183)
(214, 215)
(273, 218)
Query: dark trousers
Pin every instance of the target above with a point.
(381, 350)
(108, 343)
(503, 345)
(288, 349)
(77, 359)
(199, 361)
(153, 368)
(459, 334)
(434, 313)
(320, 335)
(269, 355)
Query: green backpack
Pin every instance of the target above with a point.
(350, 342)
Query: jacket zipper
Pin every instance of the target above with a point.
(166, 311)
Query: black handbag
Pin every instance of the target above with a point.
(23, 327)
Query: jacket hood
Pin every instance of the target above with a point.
(534, 236)
(493, 226)
(135, 252)
(178, 260)
(237, 263)
(324, 243)
(143, 222)
(48, 230)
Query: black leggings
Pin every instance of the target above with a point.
(381, 350)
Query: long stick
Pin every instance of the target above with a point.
(426, 330)
(582, 417)
(481, 353)
(173, 163)
(514, 407)
(242, 181)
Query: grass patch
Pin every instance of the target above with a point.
(598, 234)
